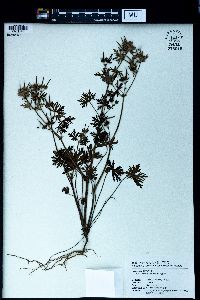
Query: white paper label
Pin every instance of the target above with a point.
(160, 278)
(104, 282)
(133, 15)
(100, 283)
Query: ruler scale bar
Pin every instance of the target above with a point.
(86, 15)
(101, 16)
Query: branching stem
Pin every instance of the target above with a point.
(77, 160)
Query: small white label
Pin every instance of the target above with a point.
(106, 282)
(133, 15)
(12, 29)
(100, 283)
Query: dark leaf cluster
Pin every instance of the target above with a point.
(106, 75)
(108, 100)
(100, 120)
(83, 136)
(135, 173)
(101, 137)
(71, 159)
(80, 137)
(64, 124)
(33, 95)
(117, 172)
(90, 172)
(65, 158)
(86, 98)
(57, 109)
(66, 190)
(74, 135)
(106, 60)
(127, 47)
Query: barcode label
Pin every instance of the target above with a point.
(17, 29)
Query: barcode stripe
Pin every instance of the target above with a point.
(18, 28)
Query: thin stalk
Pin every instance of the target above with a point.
(92, 207)
(111, 196)
(76, 201)
(109, 151)
(86, 201)
(133, 79)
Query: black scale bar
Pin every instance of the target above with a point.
(85, 16)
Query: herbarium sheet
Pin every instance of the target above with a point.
(65, 85)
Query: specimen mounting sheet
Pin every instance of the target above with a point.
(151, 225)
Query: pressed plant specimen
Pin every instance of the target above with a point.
(85, 156)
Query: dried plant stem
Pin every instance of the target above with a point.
(85, 166)
(111, 196)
